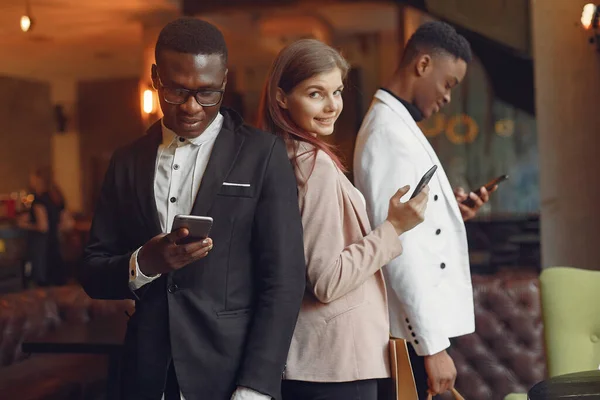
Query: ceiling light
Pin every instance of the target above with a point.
(26, 19)
(26, 23)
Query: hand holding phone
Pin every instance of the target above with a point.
(169, 252)
(424, 181)
(197, 226)
(405, 216)
(469, 202)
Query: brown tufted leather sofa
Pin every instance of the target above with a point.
(504, 355)
(506, 352)
(46, 376)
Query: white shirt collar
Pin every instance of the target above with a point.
(210, 133)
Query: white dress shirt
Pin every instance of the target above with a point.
(179, 168)
(178, 172)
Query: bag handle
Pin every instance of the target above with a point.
(457, 396)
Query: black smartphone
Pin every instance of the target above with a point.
(469, 202)
(198, 227)
(424, 181)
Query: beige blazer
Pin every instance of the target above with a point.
(342, 332)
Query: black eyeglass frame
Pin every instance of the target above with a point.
(190, 92)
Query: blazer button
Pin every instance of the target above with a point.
(443, 265)
(435, 198)
(172, 199)
(173, 288)
(437, 232)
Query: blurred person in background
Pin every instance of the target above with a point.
(46, 219)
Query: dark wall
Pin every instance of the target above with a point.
(26, 132)
(109, 117)
(509, 69)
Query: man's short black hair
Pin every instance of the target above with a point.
(191, 36)
(437, 37)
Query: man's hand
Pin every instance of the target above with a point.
(469, 212)
(441, 372)
(162, 254)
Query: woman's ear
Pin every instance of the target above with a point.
(281, 99)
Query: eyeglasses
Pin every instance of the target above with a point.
(204, 97)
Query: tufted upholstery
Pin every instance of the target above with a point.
(506, 352)
(504, 355)
(32, 313)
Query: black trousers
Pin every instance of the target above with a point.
(172, 386)
(420, 374)
(356, 390)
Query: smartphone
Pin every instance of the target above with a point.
(199, 227)
(424, 181)
(469, 202)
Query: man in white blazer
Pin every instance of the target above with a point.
(429, 285)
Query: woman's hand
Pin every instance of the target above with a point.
(405, 216)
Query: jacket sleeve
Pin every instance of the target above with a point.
(334, 269)
(279, 277)
(105, 268)
(382, 165)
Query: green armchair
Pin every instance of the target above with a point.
(571, 313)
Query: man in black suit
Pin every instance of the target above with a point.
(211, 322)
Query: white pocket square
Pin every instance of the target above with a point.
(236, 184)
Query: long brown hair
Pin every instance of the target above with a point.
(297, 62)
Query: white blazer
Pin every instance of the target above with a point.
(429, 286)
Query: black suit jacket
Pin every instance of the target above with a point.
(227, 319)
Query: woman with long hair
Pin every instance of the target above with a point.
(339, 350)
(44, 224)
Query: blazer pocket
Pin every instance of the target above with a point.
(236, 191)
(346, 311)
(234, 313)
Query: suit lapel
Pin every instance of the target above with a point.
(226, 148)
(145, 167)
(403, 113)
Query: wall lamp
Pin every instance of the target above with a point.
(590, 18)
(149, 105)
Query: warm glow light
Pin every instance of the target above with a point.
(587, 16)
(148, 101)
(25, 23)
